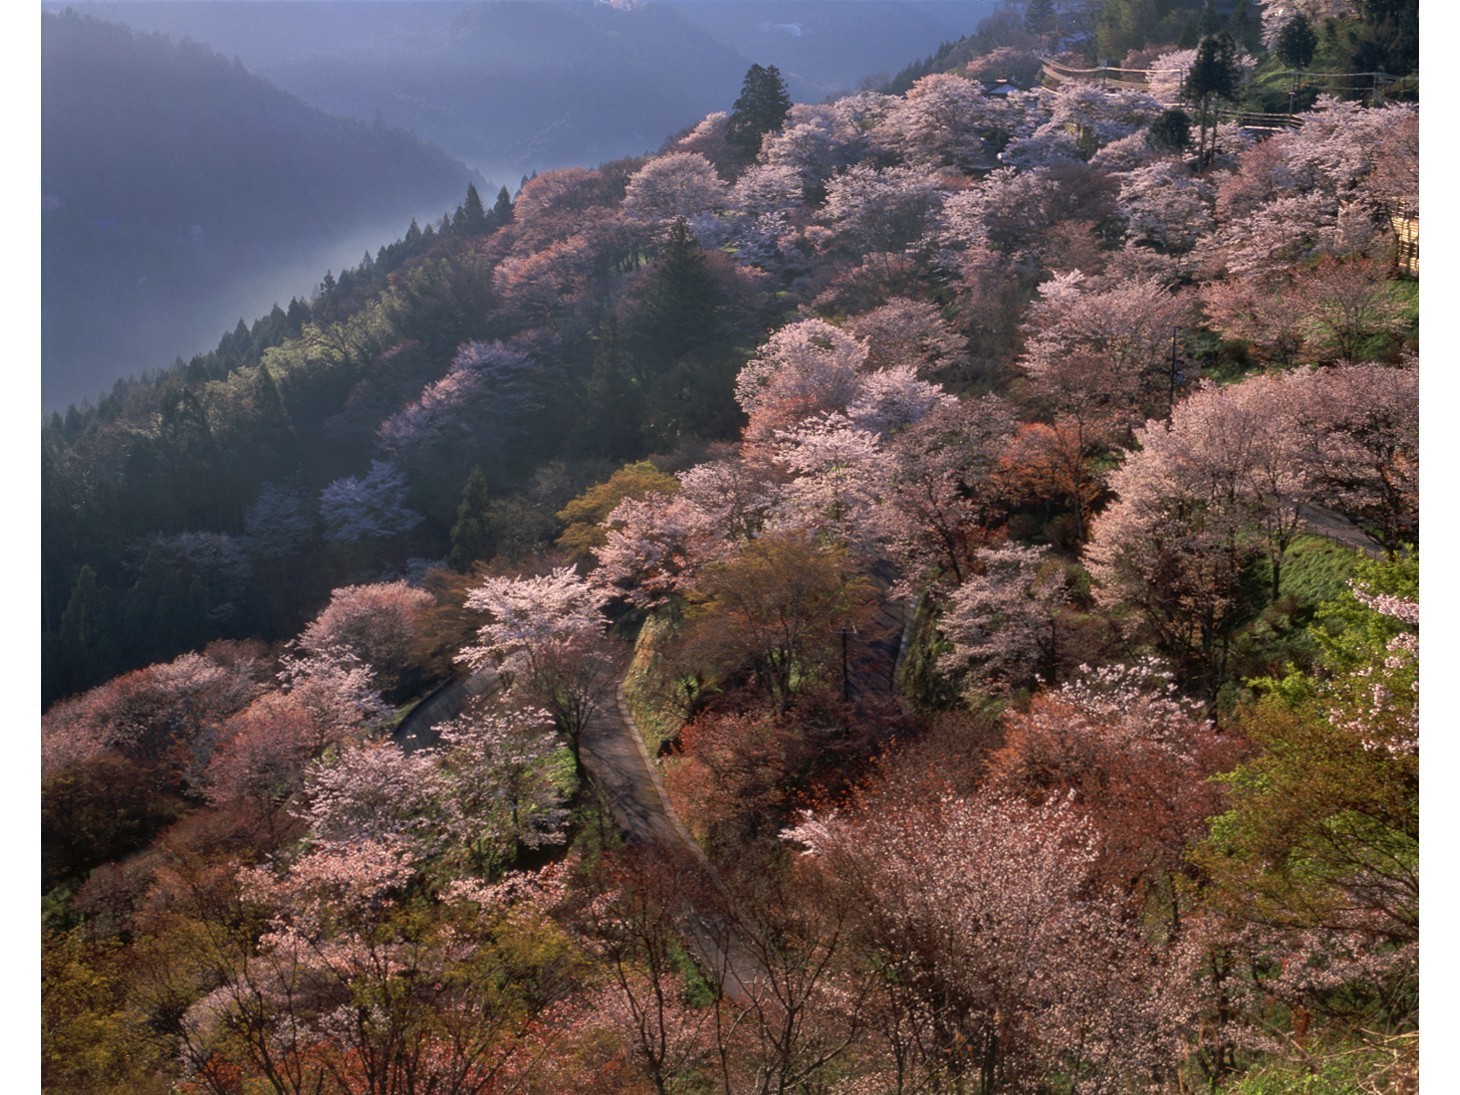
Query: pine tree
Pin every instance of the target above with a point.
(1297, 43)
(502, 208)
(1039, 16)
(85, 650)
(472, 537)
(680, 309)
(1188, 37)
(470, 218)
(1213, 75)
(761, 109)
(614, 413)
(1210, 21)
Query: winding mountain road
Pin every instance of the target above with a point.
(617, 762)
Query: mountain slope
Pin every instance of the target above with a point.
(180, 191)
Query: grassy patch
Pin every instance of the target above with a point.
(925, 686)
(1351, 1070)
(1314, 570)
(647, 692)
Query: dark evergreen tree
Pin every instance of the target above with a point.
(614, 409)
(1211, 21)
(1122, 26)
(84, 653)
(1214, 75)
(298, 314)
(1245, 26)
(1039, 16)
(680, 309)
(502, 208)
(472, 537)
(761, 109)
(470, 218)
(1172, 130)
(1296, 42)
(164, 613)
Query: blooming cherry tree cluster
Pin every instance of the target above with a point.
(1001, 622)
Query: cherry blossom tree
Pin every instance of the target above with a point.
(262, 756)
(1255, 310)
(372, 507)
(1106, 351)
(1001, 622)
(1205, 495)
(1359, 430)
(336, 693)
(674, 185)
(838, 474)
(804, 368)
(378, 624)
(583, 517)
(910, 332)
(817, 141)
(498, 790)
(557, 204)
(707, 137)
(945, 488)
(544, 634)
(733, 495)
(1135, 759)
(940, 122)
(376, 794)
(1165, 206)
(1002, 965)
(1051, 150)
(767, 189)
(529, 615)
(879, 209)
(894, 399)
(166, 713)
(356, 987)
(1008, 212)
(653, 549)
(550, 284)
(1096, 116)
(1345, 306)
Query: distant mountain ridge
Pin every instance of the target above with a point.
(180, 192)
(514, 86)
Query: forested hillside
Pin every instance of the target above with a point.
(938, 474)
(179, 192)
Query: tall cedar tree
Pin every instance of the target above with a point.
(681, 305)
(1213, 76)
(761, 109)
(470, 218)
(1297, 43)
(472, 537)
(1039, 16)
(612, 419)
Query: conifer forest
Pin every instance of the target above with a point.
(910, 592)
